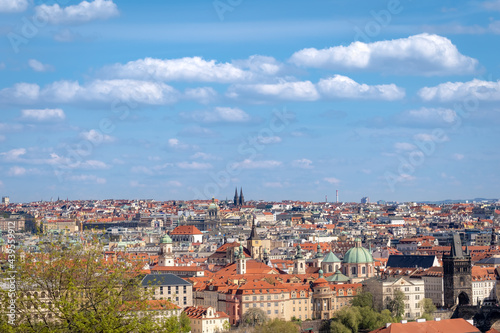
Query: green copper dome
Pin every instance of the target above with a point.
(166, 239)
(357, 255)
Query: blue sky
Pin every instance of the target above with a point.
(395, 100)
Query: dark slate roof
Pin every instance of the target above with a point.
(163, 280)
(410, 261)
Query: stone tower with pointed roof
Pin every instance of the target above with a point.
(241, 261)
(299, 265)
(241, 199)
(166, 255)
(457, 275)
(318, 257)
(254, 244)
(235, 201)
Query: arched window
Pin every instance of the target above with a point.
(363, 270)
(330, 268)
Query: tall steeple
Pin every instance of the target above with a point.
(236, 196)
(242, 199)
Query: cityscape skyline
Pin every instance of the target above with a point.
(394, 101)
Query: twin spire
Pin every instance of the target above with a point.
(238, 201)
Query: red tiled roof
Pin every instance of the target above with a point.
(186, 230)
(458, 325)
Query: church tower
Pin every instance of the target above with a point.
(254, 243)
(242, 199)
(236, 197)
(299, 266)
(457, 278)
(166, 256)
(241, 262)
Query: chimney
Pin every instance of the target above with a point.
(404, 321)
(421, 320)
(387, 325)
(437, 319)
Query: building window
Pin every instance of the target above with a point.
(161, 290)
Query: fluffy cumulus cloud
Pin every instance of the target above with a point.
(104, 91)
(76, 14)
(96, 137)
(423, 54)
(252, 164)
(461, 91)
(192, 69)
(203, 95)
(259, 64)
(43, 114)
(13, 6)
(286, 90)
(340, 86)
(218, 114)
(37, 66)
(427, 117)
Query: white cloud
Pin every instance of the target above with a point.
(404, 146)
(13, 6)
(204, 95)
(292, 91)
(37, 66)
(192, 69)
(17, 171)
(96, 137)
(43, 114)
(88, 179)
(203, 156)
(81, 13)
(251, 164)
(177, 144)
(14, 154)
(266, 140)
(422, 54)
(273, 184)
(194, 165)
(303, 163)
(430, 137)
(427, 116)
(492, 5)
(340, 86)
(260, 65)
(458, 157)
(218, 114)
(104, 91)
(332, 180)
(2, 65)
(457, 91)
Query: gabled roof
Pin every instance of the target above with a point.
(331, 257)
(163, 280)
(186, 230)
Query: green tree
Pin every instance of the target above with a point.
(73, 289)
(396, 304)
(226, 326)
(363, 299)
(337, 327)
(278, 326)
(350, 317)
(254, 317)
(427, 306)
(179, 324)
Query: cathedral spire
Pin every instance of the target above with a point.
(236, 196)
(242, 199)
